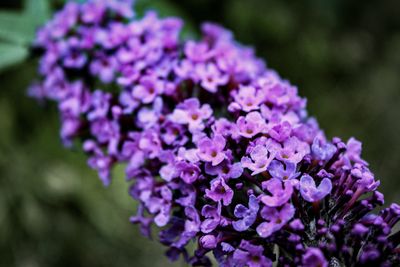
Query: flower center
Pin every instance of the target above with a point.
(195, 116)
(249, 131)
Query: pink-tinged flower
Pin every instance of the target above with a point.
(251, 125)
(93, 12)
(220, 191)
(210, 77)
(281, 131)
(280, 92)
(353, 151)
(310, 192)
(248, 98)
(247, 215)
(197, 52)
(185, 69)
(293, 150)
(280, 192)
(148, 89)
(191, 113)
(275, 219)
(212, 150)
(225, 128)
(260, 158)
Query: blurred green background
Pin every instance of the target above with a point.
(344, 56)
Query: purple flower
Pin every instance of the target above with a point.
(247, 215)
(250, 255)
(251, 125)
(107, 131)
(127, 102)
(225, 169)
(148, 117)
(145, 222)
(247, 98)
(322, 150)
(220, 191)
(75, 59)
(213, 218)
(365, 179)
(93, 12)
(310, 192)
(160, 205)
(293, 150)
(173, 134)
(189, 112)
(187, 171)
(313, 257)
(260, 158)
(104, 67)
(131, 90)
(192, 224)
(98, 161)
(100, 105)
(280, 132)
(150, 143)
(197, 52)
(212, 150)
(185, 69)
(210, 77)
(275, 219)
(69, 129)
(148, 89)
(353, 152)
(208, 241)
(225, 128)
(283, 171)
(280, 192)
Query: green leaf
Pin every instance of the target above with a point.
(11, 54)
(16, 28)
(38, 11)
(19, 27)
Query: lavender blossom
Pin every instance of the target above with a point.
(218, 148)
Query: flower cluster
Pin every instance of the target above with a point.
(219, 148)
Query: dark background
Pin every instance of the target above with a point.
(344, 56)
